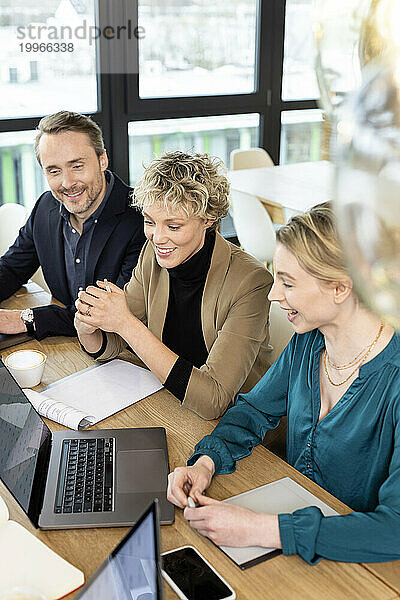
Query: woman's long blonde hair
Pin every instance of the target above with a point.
(313, 238)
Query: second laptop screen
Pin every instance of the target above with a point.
(131, 574)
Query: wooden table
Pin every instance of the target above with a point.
(286, 577)
(287, 188)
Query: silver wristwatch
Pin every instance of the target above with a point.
(28, 320)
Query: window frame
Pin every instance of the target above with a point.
(119, 101)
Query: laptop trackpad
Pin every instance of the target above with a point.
(141, 471)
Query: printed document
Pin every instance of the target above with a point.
(91, 395)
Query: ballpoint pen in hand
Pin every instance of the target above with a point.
(191, 502)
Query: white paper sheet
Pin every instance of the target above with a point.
(97, 392)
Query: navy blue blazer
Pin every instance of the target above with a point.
(114, 251)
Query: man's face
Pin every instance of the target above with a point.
(73, 170)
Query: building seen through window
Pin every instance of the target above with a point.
(215, 135)
(21, 177)
(35, 82)
(197, 48)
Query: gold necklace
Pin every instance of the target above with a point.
(352, 362)
(364, 358)
(349, 364)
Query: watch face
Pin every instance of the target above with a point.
(27, 315)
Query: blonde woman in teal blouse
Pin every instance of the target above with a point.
(338, 382)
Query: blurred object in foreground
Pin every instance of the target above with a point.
(338, 28)
(368, 188)
(358, 71)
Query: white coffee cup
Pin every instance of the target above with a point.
(26, 366)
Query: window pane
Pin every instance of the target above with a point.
(299, 79)
(215, 135)
(301, 136)
(21, 178)
(197, 48)
(38, 75)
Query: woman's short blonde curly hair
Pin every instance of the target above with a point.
(192, 182)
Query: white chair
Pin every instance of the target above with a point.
(253, 226)
(280, 330)
(12, 217)
(40, 280)
(252, 158)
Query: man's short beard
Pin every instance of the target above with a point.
(95, 191)
(84, 209)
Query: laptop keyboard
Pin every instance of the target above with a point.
(86, 476)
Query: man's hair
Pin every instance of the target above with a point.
(313, 238)
(191, 182)
(70, 121)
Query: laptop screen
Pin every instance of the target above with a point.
(132, 571)
(24, 440)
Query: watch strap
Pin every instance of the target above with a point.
(30, 328)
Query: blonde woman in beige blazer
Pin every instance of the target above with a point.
(195, 310)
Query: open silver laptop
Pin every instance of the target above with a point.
(133, 569)
(69, 479)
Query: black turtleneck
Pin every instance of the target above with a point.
(183, 332)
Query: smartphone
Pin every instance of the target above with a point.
(192, 577)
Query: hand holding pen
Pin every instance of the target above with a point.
(185, 484)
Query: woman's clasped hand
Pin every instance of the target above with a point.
(99, 309)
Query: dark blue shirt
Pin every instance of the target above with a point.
(353, 452)
(76, 247)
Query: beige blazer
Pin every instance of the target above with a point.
(234, 317)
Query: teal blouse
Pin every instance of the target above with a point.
(353, 452)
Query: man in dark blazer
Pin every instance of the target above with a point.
(81, 231)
